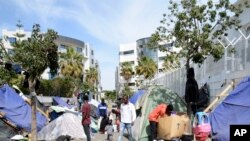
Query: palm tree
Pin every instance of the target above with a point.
(71, 64)
(91, 77)
(126, 71)
(146, 67)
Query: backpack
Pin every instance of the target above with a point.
(203, 96)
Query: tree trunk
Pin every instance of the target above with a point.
(32, 83)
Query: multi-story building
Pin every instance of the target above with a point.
(127, 53)
(63, 43)
(132, 53)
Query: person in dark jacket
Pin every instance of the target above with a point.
(191, 92)
(102, 109)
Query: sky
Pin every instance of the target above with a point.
(104, 24)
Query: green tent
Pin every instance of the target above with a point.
(154, 96)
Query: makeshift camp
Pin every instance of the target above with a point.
(7, 131)
(154, 96)
(67, 124)
(235, 108)
(15, 110)
(173, 126)
(60, 102)
(136, 96)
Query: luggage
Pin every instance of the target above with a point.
(171, 127)
(201, 126)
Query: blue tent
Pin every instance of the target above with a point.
(17, 111)
(235, 109)
(60, 102)
(136, 96)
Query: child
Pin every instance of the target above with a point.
(109, 128)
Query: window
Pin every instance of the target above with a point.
(10, 52)
(62, 48)
(92, 61)
(131, 84)
(92, 52)
(86, 51)
(12, 40)
(162, 58)
(132, 62)
(127, 52)
(79, 49)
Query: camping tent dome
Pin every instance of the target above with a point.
(154, 96)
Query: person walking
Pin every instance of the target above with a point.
(128, 116)
(110, 129)
(102, 113)
(86, 117)
(155, 114)
(102, 109)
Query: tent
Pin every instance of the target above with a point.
(60, 102)
(67, 124)
(235, 108)
(136, 96)
(17, 111)
(7, 131)
(154, 96)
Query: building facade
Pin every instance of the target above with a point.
(132, 52)
(63, 43)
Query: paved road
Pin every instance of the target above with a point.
(103, 137)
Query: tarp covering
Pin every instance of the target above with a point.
(6, 131)
(154, 96)
(94, 102)
(17, 111)
(235, 109)
(136, 96)
(67, 124)
(60, 102)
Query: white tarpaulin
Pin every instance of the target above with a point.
(67, 124)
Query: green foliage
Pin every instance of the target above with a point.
(91, 78)
(126, 71)
(71, 64)
(146, 67)
(35, 53)
(110, 95)
(127, 91)
(193, 26)
(56, 87)
(7, 76)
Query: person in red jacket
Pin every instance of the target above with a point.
(158, 111)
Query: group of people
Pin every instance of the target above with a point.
(126, 113)
(126, 116)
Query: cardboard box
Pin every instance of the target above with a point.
(173, 126)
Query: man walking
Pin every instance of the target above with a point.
(128, 116)
(86, 117)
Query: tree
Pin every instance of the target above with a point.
(59, 86)
(111, 95)
(71, 64)
(126, 71)
(146, 67)
(91, 77)
(193, 27)
(35, 54)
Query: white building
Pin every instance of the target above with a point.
(63, 43)
(127, 53)
(132, 52)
